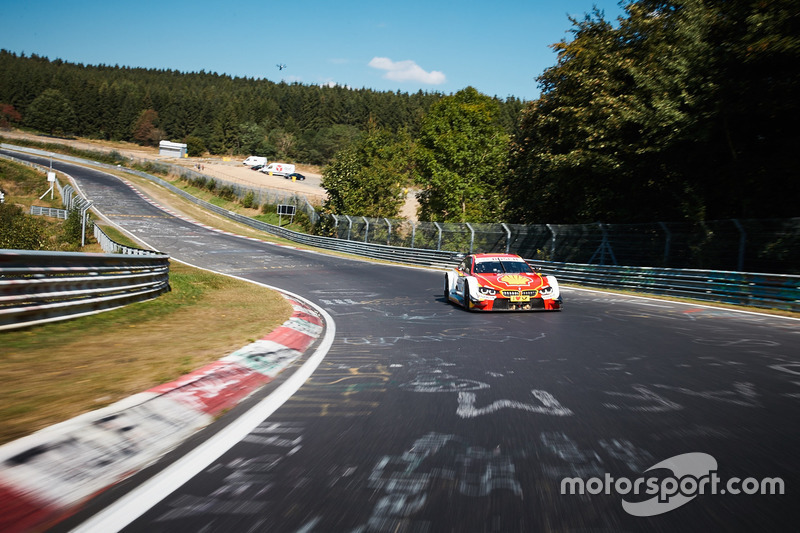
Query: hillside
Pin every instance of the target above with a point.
(214, 113)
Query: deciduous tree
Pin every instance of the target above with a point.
(51, 112)
(369, 177)
(462, 160)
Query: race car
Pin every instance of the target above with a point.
(500, 282)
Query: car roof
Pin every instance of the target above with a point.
(486, 257)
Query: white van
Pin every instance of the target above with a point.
(254, 160)
(277, 169)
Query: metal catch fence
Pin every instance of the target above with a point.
(753, 245)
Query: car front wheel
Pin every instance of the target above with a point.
(467, 303)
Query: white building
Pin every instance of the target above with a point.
(171, 149)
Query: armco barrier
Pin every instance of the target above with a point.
(779, 291)
(49, 212)
(40, 286)
(112, 247)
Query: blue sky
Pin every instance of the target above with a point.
(498, 47)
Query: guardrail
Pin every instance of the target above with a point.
(49, 212)
(778, 291)
(39, 286)
(112, 247)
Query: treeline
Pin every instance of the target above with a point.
(210, 112)
(678, 111)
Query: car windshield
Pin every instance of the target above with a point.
(516, 267)
(500, 267)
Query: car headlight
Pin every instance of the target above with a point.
(487, 291)
(546, 291)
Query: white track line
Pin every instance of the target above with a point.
(134, 504)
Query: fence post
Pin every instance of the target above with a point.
(552, 243)
(310, 208)
(413, 232)
(439, 245)
(471, 237)
(66, 196)
(84, 215)
(667, 243)
(508, 237)
(366, 233)
(389, 236)
(604, 248)
(742, 242)
(349, 226)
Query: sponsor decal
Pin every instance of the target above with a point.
(514, 279)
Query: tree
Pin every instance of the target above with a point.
(146, 131)
(571, 152)
(18, 230)
(463, 160)
(252, 138)
(368, 178)
(684, 111)
(283, 142)
(195, 147)
(9, 116)
(225, 134)
(51, 112)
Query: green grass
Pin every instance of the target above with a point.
(118, 237)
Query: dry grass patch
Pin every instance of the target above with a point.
(53, 372)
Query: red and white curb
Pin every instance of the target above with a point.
(46, 476)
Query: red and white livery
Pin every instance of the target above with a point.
(500, 282)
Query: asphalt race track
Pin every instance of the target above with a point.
(426, 418)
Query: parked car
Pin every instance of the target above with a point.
(500, 282)
(295, 176)
(257, 167)
(255, 160)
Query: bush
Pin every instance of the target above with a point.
(249, 200)
(19, 231)
(226, 192)
(73, 227)
(195, 147)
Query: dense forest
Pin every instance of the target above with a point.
(679, 111)
(211, 112)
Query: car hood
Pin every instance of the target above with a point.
(528, 280)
